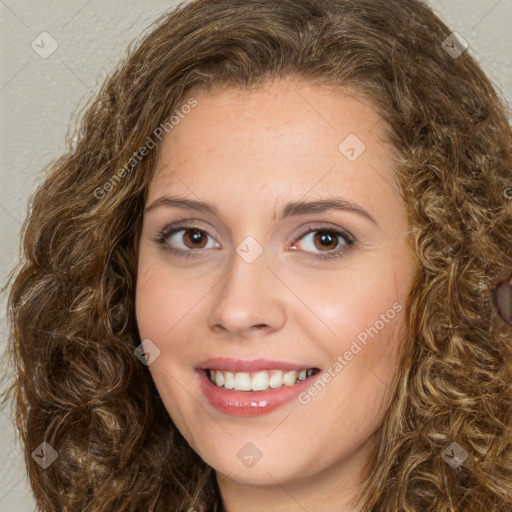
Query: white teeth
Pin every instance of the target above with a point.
(260, 381)
(257, 381)
(229, 380)
(219, 378)
(276, 381)
(243, 381)
(290, 378)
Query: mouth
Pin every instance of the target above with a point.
(261, 380)
(237, 387)
(251, 387)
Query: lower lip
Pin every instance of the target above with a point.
(250, 403)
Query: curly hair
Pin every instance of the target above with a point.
(77, 383)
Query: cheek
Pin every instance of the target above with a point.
(161, 307)
(362, 306)
(162, 299)
(151, 297)
(165, 303)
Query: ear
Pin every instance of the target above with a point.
(503, 300)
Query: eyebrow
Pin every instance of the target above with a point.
(292, 208)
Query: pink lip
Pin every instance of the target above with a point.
(251, 403)
(253, 365)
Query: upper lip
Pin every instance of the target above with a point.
(250, 365)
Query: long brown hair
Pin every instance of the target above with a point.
(77, 384)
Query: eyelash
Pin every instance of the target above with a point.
(168, 231)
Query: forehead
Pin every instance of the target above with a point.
(283, 139)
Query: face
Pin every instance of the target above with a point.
(300, 262)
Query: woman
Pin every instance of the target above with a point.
(262, 277)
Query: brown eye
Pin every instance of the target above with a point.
(195, 237)
(325, 240)
(321, 243)
(186, 240)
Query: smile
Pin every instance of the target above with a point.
(253, 393)
(258, 381)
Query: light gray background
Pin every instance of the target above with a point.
(39, 100)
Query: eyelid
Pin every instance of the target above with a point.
(185, 223)
(322, 226)
(298, 233)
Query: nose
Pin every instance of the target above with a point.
(249, 299)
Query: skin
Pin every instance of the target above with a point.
(249, 153)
